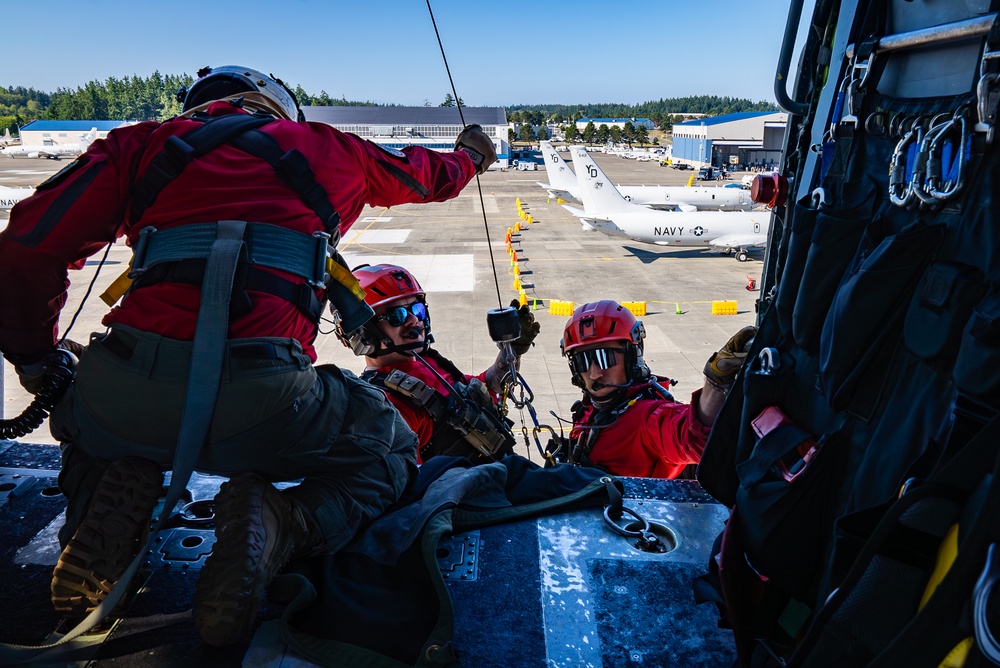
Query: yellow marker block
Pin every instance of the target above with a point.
(517, 282)
(557, 307)
(517, 271)
(517, 227)
(530, 219)
(518, 201)
(637, 308)
(679, 311)
(724, 307)
(522, 298)
(560, 200)
(691, 181)
(523, 215)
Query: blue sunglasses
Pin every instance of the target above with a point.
(397, 315)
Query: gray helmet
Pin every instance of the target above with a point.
(216, 83)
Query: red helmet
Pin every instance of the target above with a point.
(606, 321)
(384, 283)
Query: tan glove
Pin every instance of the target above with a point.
(721, 368)
(529, 328)
(31, 375)
(478, 146)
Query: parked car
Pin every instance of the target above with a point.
(682, 166)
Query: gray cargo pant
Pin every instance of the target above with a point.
(276, 415)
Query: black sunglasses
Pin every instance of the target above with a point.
(397, 315)
(605, 358)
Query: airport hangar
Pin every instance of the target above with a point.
(392, 127)
(731, 139)
(431, 127)
(44, 133)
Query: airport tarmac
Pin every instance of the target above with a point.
(445, 245)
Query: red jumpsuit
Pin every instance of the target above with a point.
(418, 419)
(276, 413)
(87, 205)
(653, 438)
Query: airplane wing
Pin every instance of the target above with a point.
(740, 241)
(579, 213)
(555, 192)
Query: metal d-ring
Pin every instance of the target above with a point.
(648, 541)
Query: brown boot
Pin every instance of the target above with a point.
(256, 532)
(110, 535)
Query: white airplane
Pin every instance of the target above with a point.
(11, 196)
(562, 182)
(605, 210)
(52, 151)
(6, 140)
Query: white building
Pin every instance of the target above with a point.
(431, 127)
(732, 139)
(47, 133)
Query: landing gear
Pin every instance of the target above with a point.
(741, 255)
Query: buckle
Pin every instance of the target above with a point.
(139, 252)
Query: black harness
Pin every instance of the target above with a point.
(241, 131)
(461, 429)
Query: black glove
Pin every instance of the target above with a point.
(476, 392)
(478, 146)
(529, 328)
(721, 368)
(31, 375)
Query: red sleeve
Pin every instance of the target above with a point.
(69, 218)
(415, 174)
(674, 437)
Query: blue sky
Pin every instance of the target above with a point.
(500, 53)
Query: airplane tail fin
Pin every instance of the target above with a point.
(88, 139)
(599, 195)
(559, 173)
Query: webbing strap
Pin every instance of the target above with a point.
(178, 152)
(267, 246)
(412, 388)
(199, 407)
(294, 169)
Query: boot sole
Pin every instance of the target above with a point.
(111, 534)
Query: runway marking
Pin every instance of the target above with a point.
(435, 273)
(394, 236)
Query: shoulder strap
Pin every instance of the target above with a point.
(294, 169)
(412, 388)
(178, 152)
(446, 364)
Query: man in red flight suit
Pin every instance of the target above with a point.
(627, 422)
(419, 381)
(233, 211)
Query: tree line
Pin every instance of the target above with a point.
(664, 112)
(155, 98)
(134, 98)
